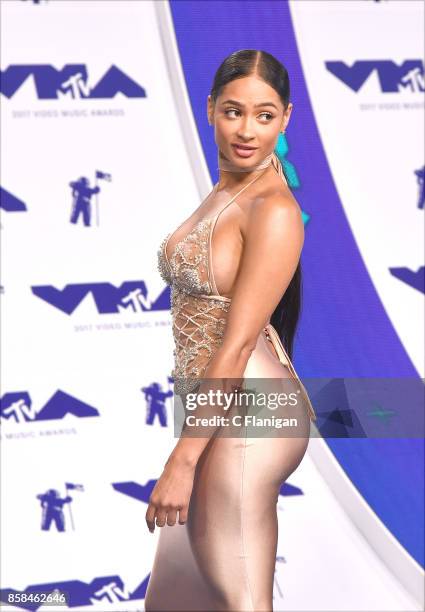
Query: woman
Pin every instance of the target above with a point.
(233, 268)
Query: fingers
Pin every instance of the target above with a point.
(172, 516)
(161, 515)
(150, 517)
(183, 516)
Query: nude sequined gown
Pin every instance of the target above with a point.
(223, 558)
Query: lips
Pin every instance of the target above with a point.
(241, 146)
(244, 150)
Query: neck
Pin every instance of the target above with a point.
(228, 166)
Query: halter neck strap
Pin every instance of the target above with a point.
(236, 194)
(239, 192)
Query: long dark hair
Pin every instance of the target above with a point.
(241, 64)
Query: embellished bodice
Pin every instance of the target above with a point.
(198, 312)
(188, 265)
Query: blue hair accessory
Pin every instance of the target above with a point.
(281, 150)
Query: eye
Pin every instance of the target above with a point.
(269, 114)
(230, 110)
(235, 110)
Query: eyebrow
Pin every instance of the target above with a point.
(236, 103)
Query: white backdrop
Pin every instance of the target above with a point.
(73, 408)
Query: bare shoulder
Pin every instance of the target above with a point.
(275, 203)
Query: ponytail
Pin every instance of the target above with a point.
(286, 314)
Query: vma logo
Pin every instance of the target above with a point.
(131, 296)
(10, 202)
(18, 407)
(71, 82)
(104, 590)
(409, 76)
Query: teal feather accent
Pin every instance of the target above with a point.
(281, 150)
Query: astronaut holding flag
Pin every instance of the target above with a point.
(82, 194)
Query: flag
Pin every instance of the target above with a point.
(103, 175)
(77, 487)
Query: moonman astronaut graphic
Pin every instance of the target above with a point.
(420, 175)
(156, 403)
(82, 193)
(52, 505)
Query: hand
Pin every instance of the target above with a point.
(171, 494)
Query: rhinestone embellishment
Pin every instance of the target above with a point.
(198, 319)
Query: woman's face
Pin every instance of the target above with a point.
(248, 112)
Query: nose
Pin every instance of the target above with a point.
(246, 130)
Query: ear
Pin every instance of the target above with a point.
(286, 117)
(210, 110)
